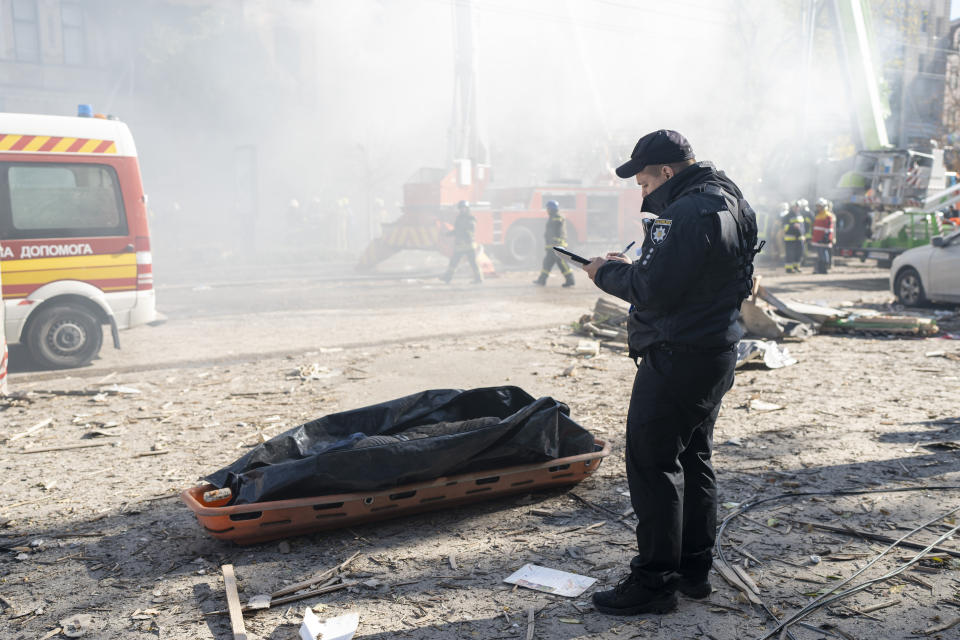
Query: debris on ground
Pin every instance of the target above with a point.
(880, 414)
(313, 371)
(338, 628)
(76, 626)
(767, 352)
(560, 583)
(768, 316)
(588, 348)
(233, 603)
(864, 322)
(607, 323)
(763, 405)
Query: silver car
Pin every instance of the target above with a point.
(928, 274)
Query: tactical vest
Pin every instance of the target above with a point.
(728, 274)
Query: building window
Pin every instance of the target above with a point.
(71, 16)
(26, 36)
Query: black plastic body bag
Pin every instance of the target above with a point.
(416, 438)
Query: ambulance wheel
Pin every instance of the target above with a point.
(63, 336)
(909, 289)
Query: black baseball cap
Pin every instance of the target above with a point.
(664, 146)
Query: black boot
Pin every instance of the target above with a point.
(541, 281)
(630, 598)
(695, 587)
(569, 281)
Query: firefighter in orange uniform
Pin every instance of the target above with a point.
(824, 235)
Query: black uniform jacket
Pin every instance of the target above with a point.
(685, 287)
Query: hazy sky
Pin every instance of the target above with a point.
(561, 80)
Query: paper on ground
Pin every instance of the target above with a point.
(550, 580)
(339, 628)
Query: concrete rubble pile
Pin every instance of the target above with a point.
(766, 319)
(607, 323)
(767, 316)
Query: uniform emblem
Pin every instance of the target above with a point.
(660, 230)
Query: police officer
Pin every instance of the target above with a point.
(694, 269)
(555, 235)
(794, 238)
(464, 228)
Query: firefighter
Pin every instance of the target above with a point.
(804, 208)
(772, 231)
(793, 238)
(824, 235)
(555, 235)
(464, 228)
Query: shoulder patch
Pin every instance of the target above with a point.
(660, 230)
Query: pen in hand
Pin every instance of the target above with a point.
(632, 242)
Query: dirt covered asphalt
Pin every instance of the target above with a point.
(99, 531)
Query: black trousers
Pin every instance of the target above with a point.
(675, 401)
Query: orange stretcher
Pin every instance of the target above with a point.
(262, 521)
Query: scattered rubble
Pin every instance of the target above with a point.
(767, 352)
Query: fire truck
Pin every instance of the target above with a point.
(601, 216)
(510, 220)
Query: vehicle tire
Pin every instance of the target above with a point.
(63, 336)
(521, 245)
(909, 288)
(853, 225)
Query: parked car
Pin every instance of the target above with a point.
(928, 274)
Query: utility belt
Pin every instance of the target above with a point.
(671, 348)
(676, 347)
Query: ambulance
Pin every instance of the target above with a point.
(74, 244)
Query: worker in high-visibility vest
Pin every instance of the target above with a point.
(773, 226)
(793, 239)
(824, 235)
(554, 235)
